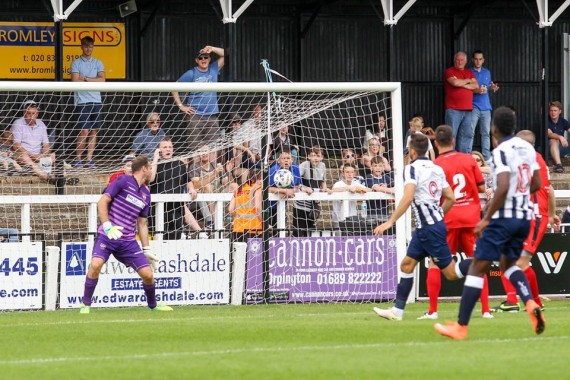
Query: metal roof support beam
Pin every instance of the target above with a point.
(230, 17)
(544, 20)
(388, 8)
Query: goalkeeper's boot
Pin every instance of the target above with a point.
(387, 314)
(506, 306)
(452, 330)
(536, 316)
(84, 309)
(161, 307)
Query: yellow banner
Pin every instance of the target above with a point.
(28, 51)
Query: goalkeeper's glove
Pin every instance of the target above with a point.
(112, 232)
(151, 257)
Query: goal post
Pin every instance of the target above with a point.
(335, 117)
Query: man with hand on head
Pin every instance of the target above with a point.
(123, 211)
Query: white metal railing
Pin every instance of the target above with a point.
(27, 201)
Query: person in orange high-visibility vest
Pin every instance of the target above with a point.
(245, 207)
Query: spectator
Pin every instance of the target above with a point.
(246, 207)
(380, 133)
(459, 85)
(240, 158)
(31, 143)
(374, 151)
(557, 125)
(381, 181)
(348, 184)
(201, 108)
(170, 177)
(9, 235)
(481, 115)
(416, 125)
(6, 154)
(88, 104)
(252, 128)
(147, 140)
(283, 141)
(348, 157)
(313, 178)
(486, 171)
(284, 161)
(207, 177)
(125, 170)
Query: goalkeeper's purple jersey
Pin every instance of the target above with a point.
(129, 201)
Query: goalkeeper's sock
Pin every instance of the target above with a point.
(509, 290)
(150, 292)
(469, 297)
(531, 277)
(90, 285)
(433, 282)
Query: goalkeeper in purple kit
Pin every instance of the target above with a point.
(123, 211)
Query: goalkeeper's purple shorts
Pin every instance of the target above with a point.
(127, 252)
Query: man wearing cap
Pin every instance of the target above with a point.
(201, 108)
(88, 104)
(147, 140)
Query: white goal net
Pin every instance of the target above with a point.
(298, 173)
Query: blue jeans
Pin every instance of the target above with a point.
(460, 121)
(9, 235)
(483, 120)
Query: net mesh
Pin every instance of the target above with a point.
(314, 246)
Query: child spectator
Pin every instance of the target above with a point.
(416, 125)
(6, 155)
(313, 176)
(348, 157)
(126, 169)
(246, 207)
(379, 181)
(374, 151)
(284, 161)
(348, 184)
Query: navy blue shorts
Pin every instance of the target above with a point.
(431, 241)
(89, 116)
(502, 236)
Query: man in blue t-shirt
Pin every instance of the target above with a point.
(201, 108)
(88, 104)
(481, 114)
(557, 125)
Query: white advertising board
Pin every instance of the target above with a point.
(191, 272)
(21, 276)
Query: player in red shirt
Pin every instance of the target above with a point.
(466, 180)
(544, 204)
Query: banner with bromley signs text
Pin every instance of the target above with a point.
(191, 272)
(315, 269)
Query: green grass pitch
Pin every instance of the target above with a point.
(317, 341)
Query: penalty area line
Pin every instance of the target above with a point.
(55, 360)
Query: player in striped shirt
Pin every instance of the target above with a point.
(465, 178)
(424, 186)
(544, 203)
(123, 210)
(505, 225)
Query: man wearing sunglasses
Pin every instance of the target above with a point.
(201, 108)
(147, 140)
